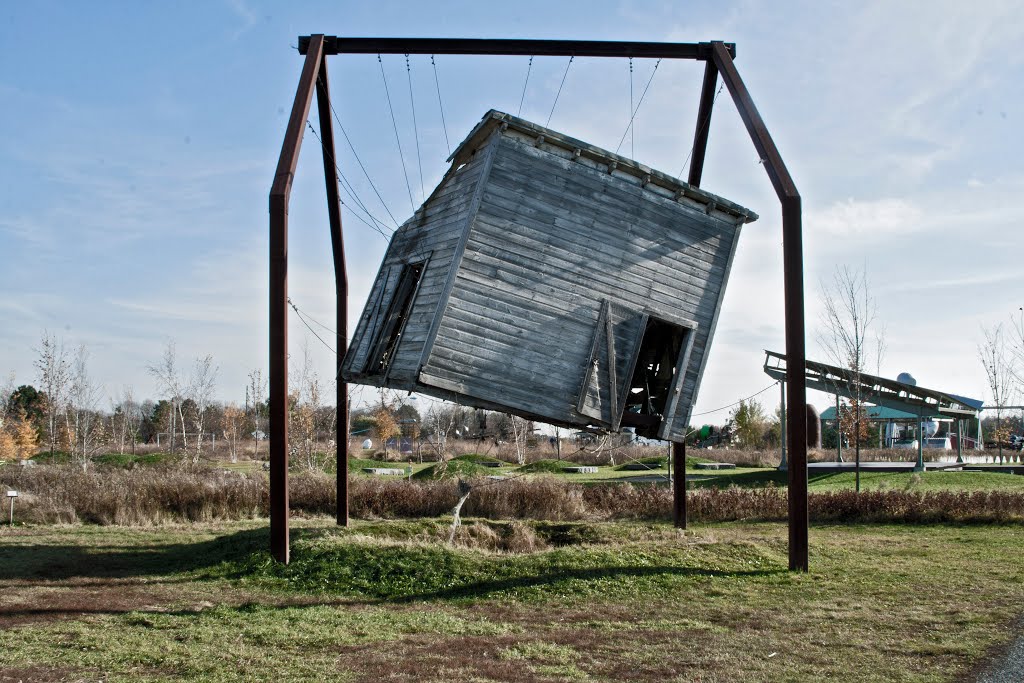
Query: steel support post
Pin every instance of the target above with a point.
(793, 280)
(279, 194)
(783, 465)
(919, 465)
(679, 484)
(839, 432)
(323, 103)
(960, 441)
(700, 135)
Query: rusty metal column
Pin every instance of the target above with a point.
(793, 283)
(679, 484)
(323, 102)
(279, 193)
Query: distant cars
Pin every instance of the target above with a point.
(908, 444)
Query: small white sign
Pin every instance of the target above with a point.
(12, 494)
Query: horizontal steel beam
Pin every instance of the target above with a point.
(334, 45)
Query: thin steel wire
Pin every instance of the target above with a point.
(341, 127)
(529, 67)
(415, 127)
(703, 125)
(303, 321)
(629, 126)
(731, 405)
(347, 187)
(642, 96)
(557, 94)
(394, 124)
(444, 126)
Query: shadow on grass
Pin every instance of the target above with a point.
(483, 589)
(62, 562)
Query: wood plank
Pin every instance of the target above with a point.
(492, 266)
(486, 160)
(670, 278)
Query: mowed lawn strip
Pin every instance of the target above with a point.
(387, 600)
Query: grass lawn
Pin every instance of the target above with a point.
(599, 602)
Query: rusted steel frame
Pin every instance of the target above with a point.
(792, 255)
(334, 45)
(700, 136)
(279, 194)
(679, 484)
(323, 103)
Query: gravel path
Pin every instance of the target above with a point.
(1007, 667)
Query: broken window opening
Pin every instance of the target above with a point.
(653, 378)
(394, 322)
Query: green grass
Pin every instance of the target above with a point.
(869, 481)
(454, 468)
(546, 467)
(194, 602)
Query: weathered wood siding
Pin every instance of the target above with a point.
(435, 235)
(554, 238)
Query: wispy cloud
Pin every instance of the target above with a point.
(870, 219)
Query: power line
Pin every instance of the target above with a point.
(360, 161)
(394, 124)
(553, 104)
(415, 127)
(444, 126)
(629, 125)
(522, 97)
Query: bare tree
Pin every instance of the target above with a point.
(201, 388)
(254, 397)
(84, 400)
(54, 375)
(166, 373)
(851, 336)
(1000, 373)
(231, 428)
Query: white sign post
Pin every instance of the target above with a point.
(12, 495)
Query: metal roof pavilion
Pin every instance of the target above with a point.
(880, 391)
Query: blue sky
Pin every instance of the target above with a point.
(140, 142)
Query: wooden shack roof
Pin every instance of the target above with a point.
(621, 167)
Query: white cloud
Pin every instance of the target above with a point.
(870, 219)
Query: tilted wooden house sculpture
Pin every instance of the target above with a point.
(551, 279)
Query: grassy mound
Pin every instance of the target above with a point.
(357, 464)
(369, 565)
(548, 466)
(478, 458)
(454, 468)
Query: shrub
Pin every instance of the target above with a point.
(186, 493)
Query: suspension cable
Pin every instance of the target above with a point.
(642, 96)
(553, 104)
(700, 130)
(415, 128)
(360, 161)
(347, 186)
(522, 97)
(394, 124)
(444, 126)
(630, 128)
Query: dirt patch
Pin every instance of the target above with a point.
(40, 674)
